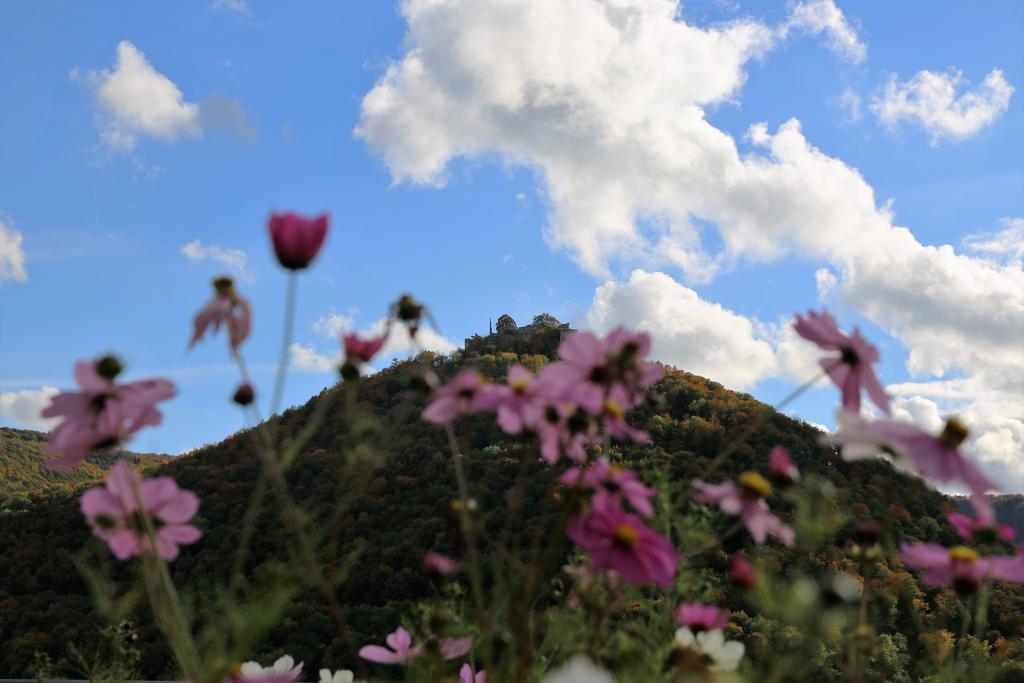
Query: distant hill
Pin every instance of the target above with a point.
(400, 509)
(23, 474)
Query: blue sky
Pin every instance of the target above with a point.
(519, 167)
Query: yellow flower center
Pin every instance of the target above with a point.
(962, 553)
(626, 536)
(954, 434)
(520, 385)
(614, 409)
(754, 485)
(615, 470)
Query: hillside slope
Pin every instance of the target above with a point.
(397, 508)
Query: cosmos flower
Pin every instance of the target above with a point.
(936, 458)
(746, 501)
(401, 649)
(518, 403)
(611, 483)
(440, 564)
(714, 652)
(226, 308)
(851, 367)
(461, 396)
(284, 670)
(468, 675)
(741, 573)
(700, 617)
(361, 350)
(297, 239)
(781, 467)
(960, 566)
(980, 528)
(579, 669)
(340, 676)
(620, 542)
(115, 515)
(103, 415)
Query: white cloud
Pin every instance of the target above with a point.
(826, 281)
(1007, 245)
(850, 102)
(930, 100)
(700, 336)
(333, 324)
(822, 16)
(612, 124)
(307, 359)
(236, 260)
(135, 99)
(227, 114)
(24, 407)
(239, 8)
(12, 255)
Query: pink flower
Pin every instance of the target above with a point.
(742, 573)
(620, 542)
(284, 670)
(518, 403)
(781, 466)
(612, 483)
(934, 457)
(590, 367)
(461, 396)
(851, 368)
(440, 564)
(297, 239)
(401, 650)
(115, 515)
(564, 429)
(960, 567)
(225, 308)
(453, 648)
(700, 617)
(613, 416)
(468, 675)
(103, 415)
(362, 350)
(746, 502)
(980, 528)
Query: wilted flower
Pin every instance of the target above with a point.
(103, 415)
(579, 669)
(468, 675)
(402, 649)
(619, 541)
(851, 368)
(742, 573)
(960, 566)
(714, 652)
(982, 528)
(360, 350)
(244, 394)
(746, 502)
(297, 239)
(340, 676)
(700, 617)
(226, 308)
(115, 515)
(936, 458)
(284, 670)
(440, 564)
(612, 483)
(461, 396)
(781, 467)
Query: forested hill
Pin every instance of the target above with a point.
(394, 494)
(23, 474)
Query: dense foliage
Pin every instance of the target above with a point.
(379, 482)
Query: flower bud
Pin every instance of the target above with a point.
(109, 367)
(244, 394)
(742, 573)
(297, 239)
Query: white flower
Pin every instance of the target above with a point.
(579, 670)
(724, 654)
(340, 676)
(285, 666)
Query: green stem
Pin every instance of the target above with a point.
(286, 342)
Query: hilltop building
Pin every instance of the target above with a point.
(542, 336)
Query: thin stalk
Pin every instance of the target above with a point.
(286, 342)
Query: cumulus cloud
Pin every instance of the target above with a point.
(822, 16)
(612, 124)
(930, 100)
(235, 260)
(698, 335)
(24, 407)
(240, 8)
(12, 255)
(134, 100)
(306, 358)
